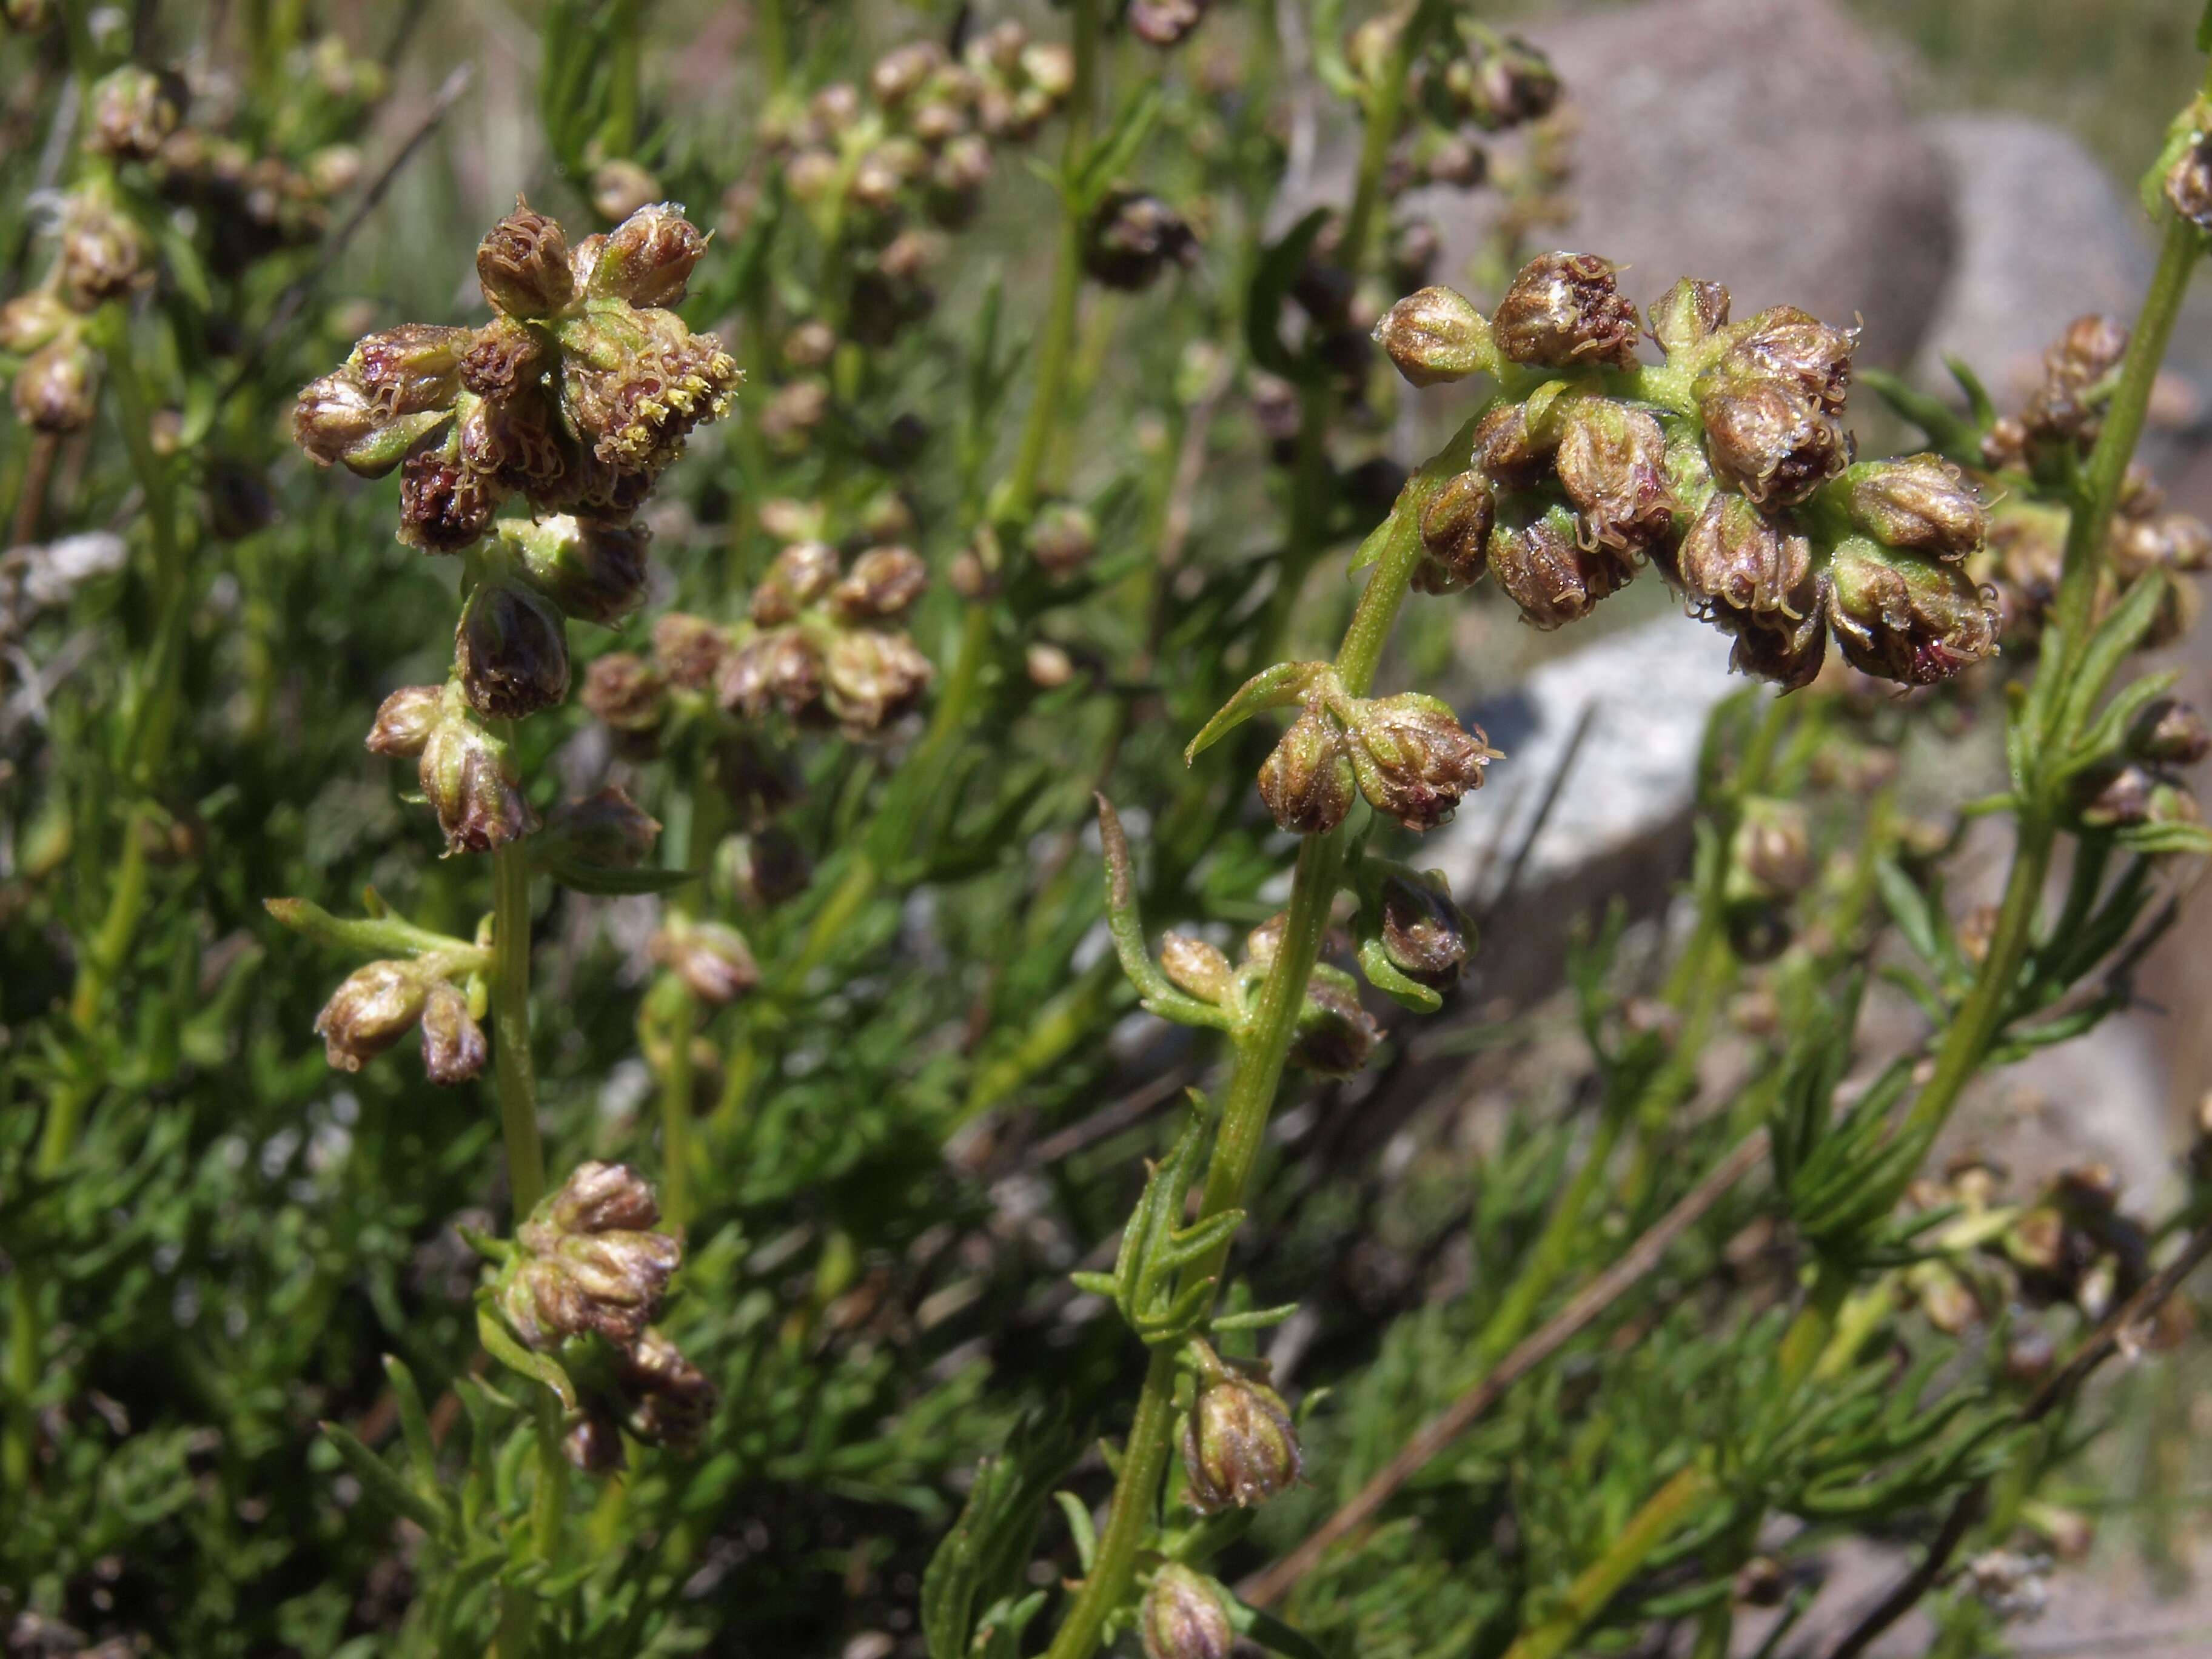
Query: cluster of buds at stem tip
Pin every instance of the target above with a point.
(439, 993)
(1239, 1446)
(1730, 470)
(1334, 1035)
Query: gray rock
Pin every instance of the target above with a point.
(1762, 144)
(2045, 233)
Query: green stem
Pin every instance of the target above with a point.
(516, 1080)
(774, 42)
(26, 1337)
(1598, 1583)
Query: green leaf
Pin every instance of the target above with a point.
(1978, 395)
(1113, 153)
(1948, 432)
(2205, 29)
(413, 1423)
(381, 1481)
(1125, 923)
(502, 1346)
(2114, 641)
(968, 1592)
(1270, 688)
(1383, 975)
(1256, 1624)
(1079, 1528)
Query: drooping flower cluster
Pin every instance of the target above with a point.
(1729, 468)
(587, 1264)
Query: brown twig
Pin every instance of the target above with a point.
(1433, 1436)
(2057, 1388)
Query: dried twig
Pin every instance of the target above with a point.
(2056, 1389)
(1568, 1322)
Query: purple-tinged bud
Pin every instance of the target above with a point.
(802, 575)
(1920, 502)
(1307, 780)
(671, 1400)
(1063, 539)
(335, 419)
(1133, 238)
(2189, 183)
(1773, 851)
(1414, 760)
(1192, 965)
(522, 265)
(374, 1007)
(689, 650)
(133, 111)
(1182, 1616)
(1503, 82)
(1563, 311)
(469, 777)
(883, 584)
(31, 320)
(510, 652)
(1776, 646)
(1544, 570)
(54, 392)
(772, 867)
(1768, 440)
(412, 369)
(779, 668)
(405, 720)
(623, 690)
(1165, 23)
(1687, 316)
(606, 830)
(1456, 529)
(1613, 463)
(1907, 618)
(595, 1445)
(1507, 452)
(1425, 936)
(2169, 732)
(899, 73)
(1434, 336)
(1796, 349)
(103, 254)
(711, 958)
(592, 569)
(446, 505)
(648, 259)
(587, 1261)
(1238, 1445)
(1736, 558)
(2113, 797)
(453, 1049)
(870, 679)
(621, 188)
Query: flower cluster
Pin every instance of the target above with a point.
(587, 1264)
(1729, 468)
(1336, 1035)
(442, 995)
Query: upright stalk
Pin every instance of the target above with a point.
(515, 1078)
(1631, 1546)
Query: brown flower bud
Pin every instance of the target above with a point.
(453, 1049)
(595, 1445)
(870, 679)
(522, 265)
(689, 650)
(900, 72)
(606, 830)
(671, 1400)
(1456, 529)
(2064, 406)
(1133, 238)
(1197, 967)
(1688, 315)
(53, 391)
(1546, 571)
(1182, 1616)
(802, 575)
(883, 584)
(1796, 349)
(1434, 336)
(586, 1260)
(1769, 440)
(1165, 23)
(1503, 82)
(648, 259)
(781, 668)
(374, 1007)
(1920, 502)
(30, 320)
(510, 652)
(1414, 760)
(712, 959)
(469, 777)
(103, 255)
(1424, 935)
(1736, 558)
(591, 569)
(1563, 310)
(405, 720)
(1238, 1444)
(133, 110)
(1773, 853)
(336, 419)
(444, 504)
(621, 188)
(1778, 647)
(772, 867)
(2169, 732)
(624, 690)
(1307, 780)
(2113, 796)
(1902, 617)
(1612, 465)
(1508, 453)
(1063, 539)
(2189, 183)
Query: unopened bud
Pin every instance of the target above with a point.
(1425, 936)
(1798, 350)
(405, 720)
(1505, 82)
(30, 320)
(622, 690)
(1738, 559)
(592, 569)
(133, 110)
(444, 505)
(781, 668)
(772, 867)
(1182, 1617)
(522, 265)
(2113, 798)
(587, 1261)
(1436, 335)
(606, 830)
(1307, 780)
(1238, 1446)
(1920, 502)
(1456, 529)
(1907, 618)
(689, 650)
(648, 259)
(1197, 967)
(103, 255)
(870, 679)
(1688, 315)
(1048, 665)
(595, 1445)
(1133, 238)
(370, 1011)
(671, 1400)
(2169, 732)
(621, 188)
(1546, 571)
(883, 584)
(469, 777)
(711, 958)
(2189, 183)
(53, 391)
(1165, 23)
(453, 1049)
(1414, 760)
(1563, 310)
(1773, 848)
(1063, 539)
(801, 576)
(1769, 440)
(1613, 463)
(1508, 454)
(510, 652)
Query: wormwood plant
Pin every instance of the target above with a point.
(874, 1266)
